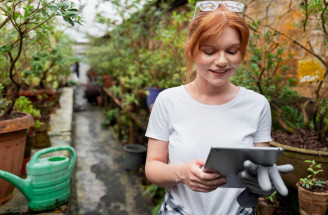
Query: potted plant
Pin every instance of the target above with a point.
(12, 138)
(23, 104)
(267, 205)
(312, 191)
(18, 20)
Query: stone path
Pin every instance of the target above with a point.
(102, 185)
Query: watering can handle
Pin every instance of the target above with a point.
(36, 156)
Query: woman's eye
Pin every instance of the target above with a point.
(232, 52)
(209, 52)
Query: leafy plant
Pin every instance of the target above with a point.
(311, 179)
(50, 59)
(156, 193)
(314, 17)
(23, 104)
(145, 49)
(272, 198)
(111, 117)
(21, 19)
(265, 70)
(116, 90)
(129, 99)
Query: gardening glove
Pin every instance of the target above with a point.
(261, 181)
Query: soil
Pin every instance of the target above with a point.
(301, 138)
(13, 115)
(267, 202)
(319, 189)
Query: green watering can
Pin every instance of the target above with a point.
(47, 185)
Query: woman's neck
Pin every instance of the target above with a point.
(211, 95)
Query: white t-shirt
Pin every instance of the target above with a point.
(192, 128)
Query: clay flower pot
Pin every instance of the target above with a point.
(12, 145)
(314, 203)
(264, 208)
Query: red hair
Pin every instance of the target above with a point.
(209, 25)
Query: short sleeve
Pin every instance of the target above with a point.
(158, 125)
(263, 133)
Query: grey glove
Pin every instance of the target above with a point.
(268, 178)
(261, 181)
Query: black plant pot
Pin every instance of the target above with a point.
(135, 156)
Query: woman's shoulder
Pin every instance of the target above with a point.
(173, 91)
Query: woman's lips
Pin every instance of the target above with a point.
(219, 72)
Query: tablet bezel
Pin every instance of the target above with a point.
(229, 161)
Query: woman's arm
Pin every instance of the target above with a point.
(159, 172)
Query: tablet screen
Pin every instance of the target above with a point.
(229, 161)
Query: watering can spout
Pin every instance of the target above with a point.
(21, 184)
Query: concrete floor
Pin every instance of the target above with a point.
(101, 185)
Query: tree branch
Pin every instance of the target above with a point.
(323, 18)
(281, 122)
(4, 22)
(306, 15)
(28, 30)
(297, 43)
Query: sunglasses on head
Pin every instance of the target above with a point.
(207, 6)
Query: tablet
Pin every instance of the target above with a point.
(229, 161)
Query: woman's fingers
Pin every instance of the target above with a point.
(208, 187)
(196, 179)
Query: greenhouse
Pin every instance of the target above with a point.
(164, 107)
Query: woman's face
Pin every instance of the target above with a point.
(217, 60)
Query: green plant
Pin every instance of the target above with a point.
(311, 179)
(19, 20)
(129, 99)
(265, 71)
(145, 49)
(314, 19)
(111, 117)
(50, 61)
(156, 194)
(23, 104)
(116, 90)
(271, 60)
(272, 198)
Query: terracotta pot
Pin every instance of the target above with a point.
(263, 208)
(313, 203)
(99, 101)
(33, 94)
(296, 157)
(108, 80)
(12, 145)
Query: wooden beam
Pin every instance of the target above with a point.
(138, 122)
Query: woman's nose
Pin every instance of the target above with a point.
(221, 60)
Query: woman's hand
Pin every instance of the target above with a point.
(192, 175)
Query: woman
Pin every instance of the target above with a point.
(186, 121)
